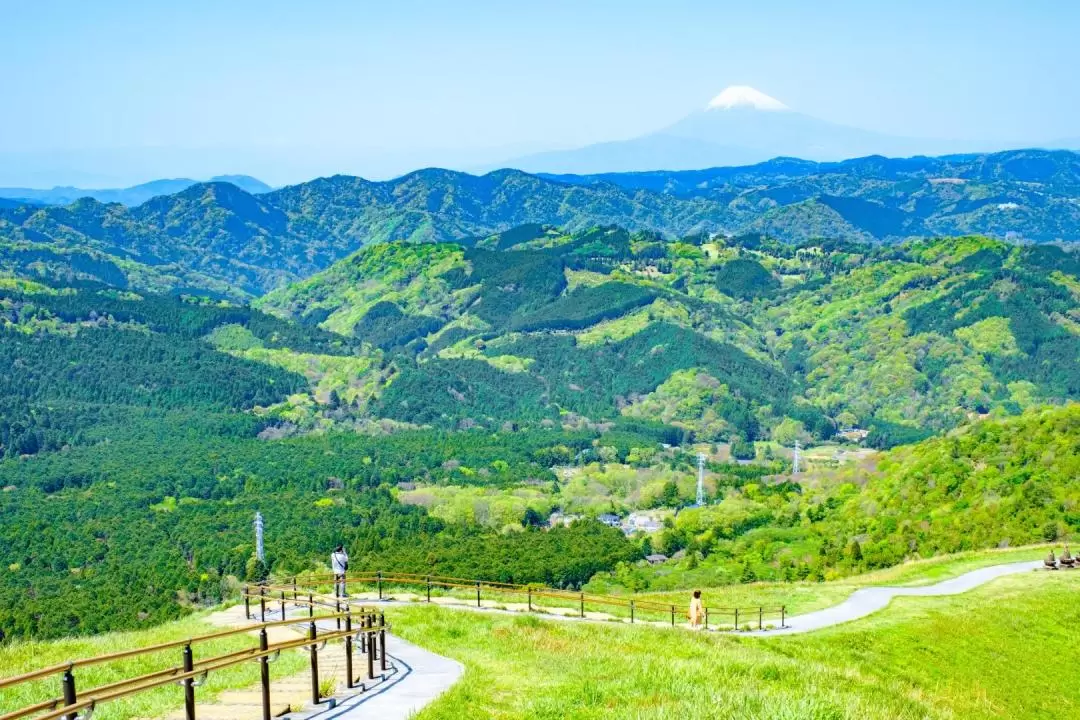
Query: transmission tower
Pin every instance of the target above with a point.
(795, 459)
(260, 553)
(700, 479)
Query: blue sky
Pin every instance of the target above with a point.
(286, 90)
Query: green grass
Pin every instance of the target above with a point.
(1006, 650)
(803, 597)
(21, 657)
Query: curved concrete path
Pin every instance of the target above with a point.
(419, 677)
(869, 600)
(861, 603)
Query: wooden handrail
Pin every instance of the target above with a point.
(149, 681)
(71, 665)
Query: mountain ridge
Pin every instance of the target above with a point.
(255, 243)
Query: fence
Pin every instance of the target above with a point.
(370, 633)
(633, 609)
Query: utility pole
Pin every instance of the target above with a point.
(700, 479)
(795, 459)
(260, 553)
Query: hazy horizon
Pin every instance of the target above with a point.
(118, 93)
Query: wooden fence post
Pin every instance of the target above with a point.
(382, 641)
(348, 650)
(370, 648)
(70, 697)
(264, 674)
(189, 684)
(312, 635)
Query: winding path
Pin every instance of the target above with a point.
(861, 603)
(869, 600)
(419, 676)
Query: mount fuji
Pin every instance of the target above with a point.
(740, 126)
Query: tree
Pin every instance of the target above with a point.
(531, 519)
(788, 431)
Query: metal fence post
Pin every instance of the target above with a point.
(348, 651)
(312, 635)
(429, 588)
(760, 615)
(189, 684)
(282, 604)
(380, 583)
(382, 641)
(529, 592)
(69, 691)
(337, 611)
(783, 616)
(477, 593)
(672, 616)
(262, 604)
(311, 605)
(247, 604)
(706, 618)
(736, 618)
(631, 612)
(264, 674)
(582, 604)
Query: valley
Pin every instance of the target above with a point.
(433, 404)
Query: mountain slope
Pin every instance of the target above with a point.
(215, 235)
(906, 340)
(740, 125)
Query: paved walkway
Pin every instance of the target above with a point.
(869, 600)
(413, 679)
(862, 602)
(420, 677)
(416, 677)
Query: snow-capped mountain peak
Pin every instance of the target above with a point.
(744, 96)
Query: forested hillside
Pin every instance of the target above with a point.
(513, 374)
(903, 341)
(215, 236)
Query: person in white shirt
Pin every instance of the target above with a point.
(339, 561)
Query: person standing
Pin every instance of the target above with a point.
(339, 562)
(697, 611)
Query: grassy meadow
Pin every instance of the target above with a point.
(803, 597)
(20, 657)
(1005, 650)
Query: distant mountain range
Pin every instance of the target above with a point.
(135, 195)
(739, 126)
(217, 236)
